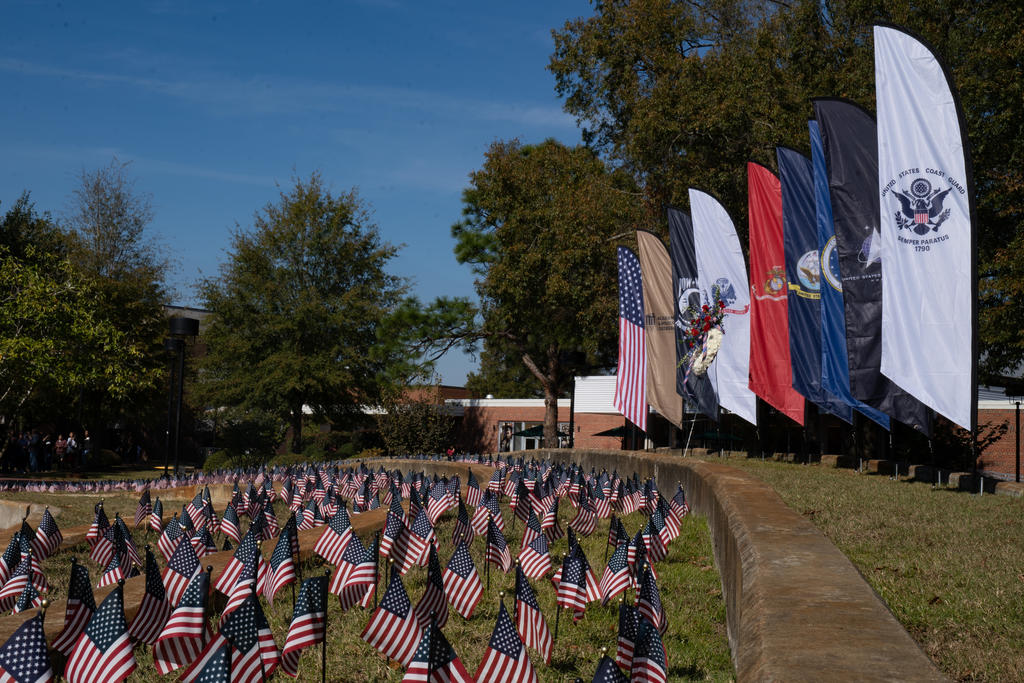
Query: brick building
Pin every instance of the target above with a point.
(500, 425)
(997, 414)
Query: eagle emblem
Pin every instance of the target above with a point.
(921, 208)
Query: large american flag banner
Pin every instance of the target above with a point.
(631, 376)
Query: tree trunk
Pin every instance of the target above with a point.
(296, 429)
(549, 381)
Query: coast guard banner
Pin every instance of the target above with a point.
(803, 274)
(659, 325)
(697, 388)
(835, 369)
(927, 273)
(770, 373)
(720, 266)
(849, 140)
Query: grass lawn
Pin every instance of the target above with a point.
(690, 590)
(950, 565)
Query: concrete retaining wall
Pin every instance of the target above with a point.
(797, 609)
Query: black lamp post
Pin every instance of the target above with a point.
(180, 328)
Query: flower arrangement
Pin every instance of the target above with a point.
(704, 338)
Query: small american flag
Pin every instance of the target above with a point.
(103, 653)
(434, 661)
(608, 672)
(282, 565)
(155, 609)
(649, 601)
(433, 604)
(649, 665)
(229, 524)
(461, 582)
(100, 523)
(497, 549)
(411, 547)
(616, 578)
(535, 558)
(24, 656)
(631, 375)
(11, 557)
(575, 583)
(144, 508)
(463, 531)
(181, 640)
(533, 529)
(332, 542)
(48, 537)
(308, 626)
(473, 492)
(506, 659)
(80, 606)
(156, 522)
(394, 528)
(585, 520)
(248, 632)
(533, 629)
(180, 569)
(393, 628)
(356, 575)
(170, 538)
(629, 623)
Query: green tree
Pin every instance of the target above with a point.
(55, 336)
(297, 309)
(414, 420)
(539, 226)
(108, 219)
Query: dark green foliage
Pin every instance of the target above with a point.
(297, 308)
(415, 421)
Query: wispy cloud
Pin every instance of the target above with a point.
(272, 95)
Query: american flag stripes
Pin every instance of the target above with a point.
(182, 638)
(48, 537)
(356, 574)
(103, 653)
(156, 522)
(24, 658)
(631, 375)
(80, 606)
(282, 565)
(181, 567)
(506, 659)
(170, 538)
(155, 609)
(229, 524)
(473, 492)
(461, 582)
(434, 661)
(309, 622)
(649, 665)
(629, 624)
(497, 549)
(433, 606)
(535, 559)
(393, 628)
(617, 576)
(332, 542)
(533, 629)
(144, 508)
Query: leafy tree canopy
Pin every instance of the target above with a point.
(538, 229)
(297, 309)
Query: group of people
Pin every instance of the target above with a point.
(35, 451)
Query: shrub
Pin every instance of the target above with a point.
(218, 460)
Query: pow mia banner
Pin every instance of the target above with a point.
(720, 266)
(659, 326)
(697, 388)
(804, 276)
(849, 140)
(928, 271)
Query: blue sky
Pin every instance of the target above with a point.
(216, 104)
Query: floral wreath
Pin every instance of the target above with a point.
(704, 337)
